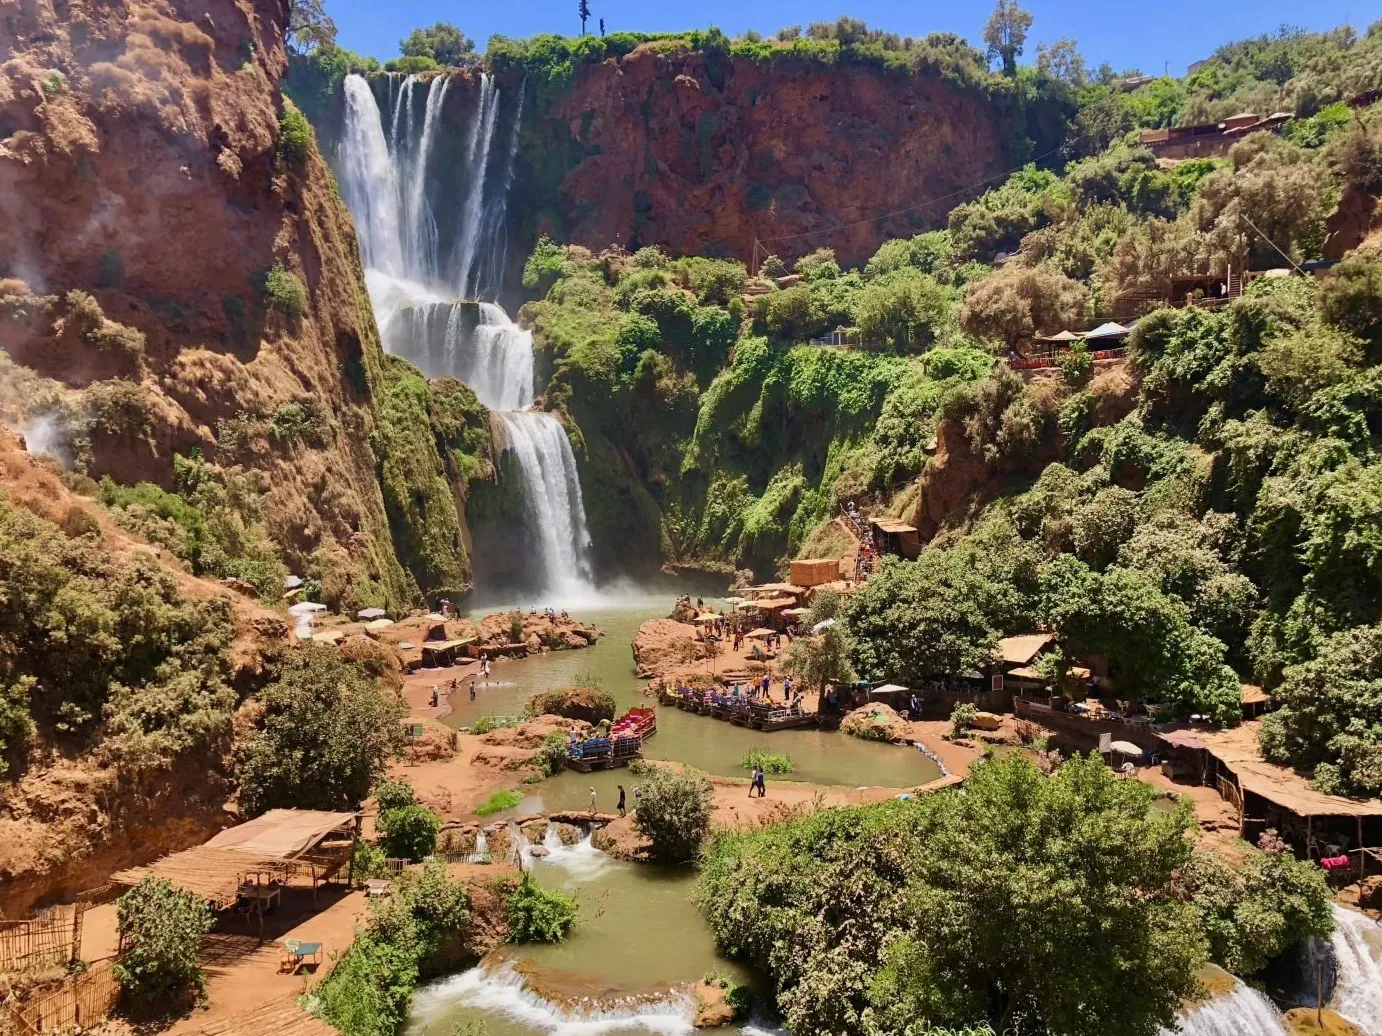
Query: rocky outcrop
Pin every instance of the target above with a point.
(702, 154)
(663, 645)
(587, 704)
(148, 159)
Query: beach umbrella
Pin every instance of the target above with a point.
(822, 626)
(292, 582)
(306, 608)
(1125, 748)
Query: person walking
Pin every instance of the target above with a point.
(753, 781)
(472, 688)
(592, 802)
(762, 780)
(621, 799)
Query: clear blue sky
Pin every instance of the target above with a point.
(1125, 34)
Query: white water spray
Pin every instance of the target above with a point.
(1357, 948)
(582, 861)
(1241, 1012)
(552, 498)
(502, 990)
(384, 182)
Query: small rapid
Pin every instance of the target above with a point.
(501, 989)
(1241, 1012)
(1357, 948)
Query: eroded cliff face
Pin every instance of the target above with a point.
(703, 155)
(142, 160)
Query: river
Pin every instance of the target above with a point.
(710, 745)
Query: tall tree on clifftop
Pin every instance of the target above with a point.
(1006, 32)
(443, 43)
(309, 26)
(583, 9)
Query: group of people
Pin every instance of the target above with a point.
(868, 550)
(761, 690)
(758, 781)
(621, 807)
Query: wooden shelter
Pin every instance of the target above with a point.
(442, 653)
(809, 572)
(893, 536)
(1268, 795)
(248, 861)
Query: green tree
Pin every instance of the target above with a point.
(1005, 34)
(1329, 714)
(537, 914)
(309, 27)
(409, 832)
(161, 929)
(583, 10)
(921, 619)
(325, 732)
(1045, 899)
(905, 309)
(673, 812)
(1255, 912)
(1062, 60)
(394, 793)
(1122, 615)
(444, 43)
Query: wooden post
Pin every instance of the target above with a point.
(1361, 854)
(354, 838)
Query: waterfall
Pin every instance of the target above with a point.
(503, 990)
(520, 852)
(551, 497)
(369, 182)
(1357, 947)
(1242, 1012)
(419, 225)
(477, 154)
(429, 310)
(481, 852)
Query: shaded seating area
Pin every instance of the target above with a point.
(245, 868)
(1318, 826)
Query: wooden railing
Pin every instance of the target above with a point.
(51, 940)
(82, 1000)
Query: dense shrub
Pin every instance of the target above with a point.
(409, 832)
(1255, 912)
(284, 292)
(295, 138)
(550, 757)
(409, 935)
(768, 762)
(325, 732)
(537, 914)
(393, 793)
(928, 913)
(673, 813)
(161, 929)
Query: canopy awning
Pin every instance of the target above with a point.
(379, 624)
(306, 608)
(892, 526)
(1108, 330)
(760, 634)
(1059, 336)
(1020, 650)
(281, 834)
(888, 689)
(370, 613)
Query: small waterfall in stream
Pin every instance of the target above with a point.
(433, 299)
(503, 990)
(1356, 948)
(1242, 1012)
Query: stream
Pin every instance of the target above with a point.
(712, 746)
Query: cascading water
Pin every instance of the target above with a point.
(502, 990)
(1357, 950)
(1241, 1012)
(426, 296)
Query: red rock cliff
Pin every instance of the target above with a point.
(670, 154)
(140, 161)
